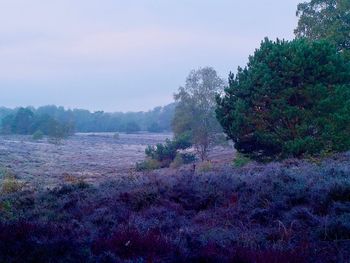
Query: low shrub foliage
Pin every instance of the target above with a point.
(291, 211)
(163, 155)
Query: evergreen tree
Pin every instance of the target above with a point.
(292, 99)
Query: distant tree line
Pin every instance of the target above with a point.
(25, 121)
(29, 120)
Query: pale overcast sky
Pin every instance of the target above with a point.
(128, 55)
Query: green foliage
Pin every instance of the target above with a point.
(195, 111)
(6, 124)
(132, 127)
(148, 165)
(154, 127)
(38, 135)
(11, 185)
(177, 162)
(165, 153)
(86, 121)
(25, 121)
(205, 167)
(325, 19)
(22, 121)
(240, 160)
(9, 182)
(52, 127)
(188, 158)
(182, 158)
(156, 120)
(292, 99)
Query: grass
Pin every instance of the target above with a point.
(148, 165)
(205, 166)
(9, 182)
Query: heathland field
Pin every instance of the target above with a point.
(81, 200)
(91, 157)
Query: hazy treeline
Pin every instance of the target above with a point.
(80, 120)
(26, 121)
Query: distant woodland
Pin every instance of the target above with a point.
(48, 119)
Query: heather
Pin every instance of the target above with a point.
(253, 170)
(290, 211)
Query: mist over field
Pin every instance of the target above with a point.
(175, 131)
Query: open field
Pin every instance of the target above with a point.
(91, 157)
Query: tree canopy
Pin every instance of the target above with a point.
(156, 120)
(195, 111)
(283, 104)
(325, 19)
(25, 121)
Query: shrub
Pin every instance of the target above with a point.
(38, 135)
(34, 242)
(188, 158)
(148, 165)
(116, 136)
(75, 181)
(167, 152)
(240, 160)
(4, 173)
(340, 192)
(163, 153)
(177, 162)
(181, 159)
(10, 184)
(205, 166)
(293, 99)
(140, 198)
(131, 244)
(339, 228)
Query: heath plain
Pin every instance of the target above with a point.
(253, 167)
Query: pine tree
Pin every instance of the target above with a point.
(292, 99)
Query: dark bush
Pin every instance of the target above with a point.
(32, 243)
(131, 244)
(340, 192)
(338, 228)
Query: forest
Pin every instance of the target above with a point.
(78, 120)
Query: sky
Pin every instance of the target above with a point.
(126, 55)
